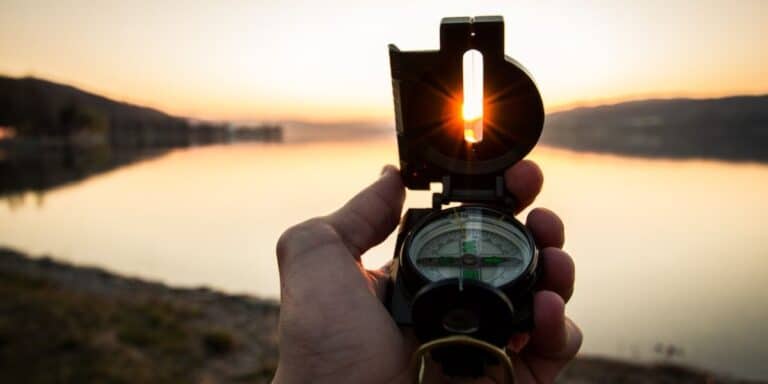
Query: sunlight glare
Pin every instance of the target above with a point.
(472, 106)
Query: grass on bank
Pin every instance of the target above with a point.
(50, 335)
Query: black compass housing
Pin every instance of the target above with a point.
(427, 89)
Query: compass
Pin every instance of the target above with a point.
(465, 268)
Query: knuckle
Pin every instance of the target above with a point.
(297, 239)
(288, 239)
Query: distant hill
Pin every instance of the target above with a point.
(17, 95)
(52, 134)
(37, 108)
(731, 128)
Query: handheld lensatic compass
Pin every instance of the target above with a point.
(463, 276)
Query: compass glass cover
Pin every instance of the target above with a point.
(471, 243)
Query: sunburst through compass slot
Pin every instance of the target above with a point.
(472, 102)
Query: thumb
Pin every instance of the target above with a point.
(363, 222)
(369, 217)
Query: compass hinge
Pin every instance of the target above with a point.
(495, 194)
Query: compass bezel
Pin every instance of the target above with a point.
(414, 279)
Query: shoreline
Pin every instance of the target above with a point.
(67, 323)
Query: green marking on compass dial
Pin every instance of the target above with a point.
(469, 246)
(473, 274)
(493, 260)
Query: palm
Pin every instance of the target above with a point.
(335, 313)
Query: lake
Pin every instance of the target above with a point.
(668, 252)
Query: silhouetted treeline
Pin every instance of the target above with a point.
(39, 109)
(731, 128)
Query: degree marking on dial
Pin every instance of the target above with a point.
(463, 231)
(448, 261)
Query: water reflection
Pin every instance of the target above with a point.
(47, 165)
(667, 252)
(39, 163)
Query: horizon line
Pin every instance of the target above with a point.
(570, 106)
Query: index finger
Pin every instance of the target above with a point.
(524, 181)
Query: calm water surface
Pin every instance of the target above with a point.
(671, 252)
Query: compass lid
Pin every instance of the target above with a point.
(429, 97)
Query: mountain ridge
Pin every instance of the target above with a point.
(73, 88)
(731, 128)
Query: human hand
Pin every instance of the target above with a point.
(333, 326)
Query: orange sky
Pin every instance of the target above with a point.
(327, 61)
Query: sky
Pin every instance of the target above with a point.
(327, 61)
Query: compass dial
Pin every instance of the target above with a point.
(471, 243)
